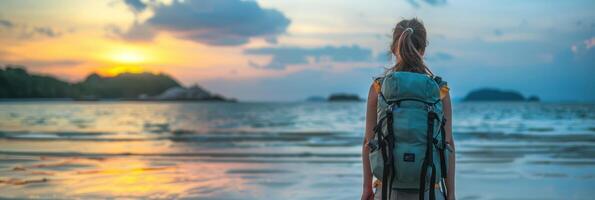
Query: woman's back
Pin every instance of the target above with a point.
(408, 126)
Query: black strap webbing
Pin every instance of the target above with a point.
(443, 164)
(429, 160)
(432, 183)
(387, 155)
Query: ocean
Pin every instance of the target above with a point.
(301, 150)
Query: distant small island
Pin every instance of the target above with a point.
(336, 97)
(491, 94)
(17, 83)
(343, 97)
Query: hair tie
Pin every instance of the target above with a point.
(407, 29)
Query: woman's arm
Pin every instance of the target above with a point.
(450, 178)
(369, 133)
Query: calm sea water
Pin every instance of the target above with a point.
(276, 150)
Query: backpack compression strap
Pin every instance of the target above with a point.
(429, 159)
(443, 163)
(387, 155)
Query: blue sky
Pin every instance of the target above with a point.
(289, 50)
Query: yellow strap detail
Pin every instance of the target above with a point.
(376, 86)
(444, 91)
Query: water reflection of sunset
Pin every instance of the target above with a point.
(124, 177)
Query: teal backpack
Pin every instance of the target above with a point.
(408, 151)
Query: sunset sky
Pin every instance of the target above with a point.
(286, 50)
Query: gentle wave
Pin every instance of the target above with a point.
(342, 138)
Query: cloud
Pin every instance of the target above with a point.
(384, 57)
(284, 56)
(44, 63)
(416, 3)
(297, 86)
(583, 46)
(10, 58)
(590, 43)
(136, 33)
(498, 32)
(435, 2)
(6, 24)
(23, 31)
(439, 56)
(39, 31)
(46, 31)
(213, 22)
(135, 6)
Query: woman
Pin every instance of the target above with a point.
(408, 46)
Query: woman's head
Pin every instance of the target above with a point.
(408, 45)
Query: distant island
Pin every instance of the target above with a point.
(491, 94)
(343, 97)
(17, 83)
(336, 97)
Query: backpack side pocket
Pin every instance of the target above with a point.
(376, 163)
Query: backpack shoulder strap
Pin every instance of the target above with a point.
(439, 81)
(378, 83)
(378, 87)
(443, 85)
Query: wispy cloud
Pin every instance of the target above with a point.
(33, 63)
(6, 24)
(39, 31)
(417, 3)
(135, 6)
(136, 33)
(439, 56)
(285, 56)
(46, 31)
(23, 31)
(583, 46)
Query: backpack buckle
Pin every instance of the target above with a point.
(391, 107)
(373, 145)
(429, 108)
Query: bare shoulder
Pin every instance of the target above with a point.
(446, 97)
(373, 93)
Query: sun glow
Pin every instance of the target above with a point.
(125, 60)
(128, 57)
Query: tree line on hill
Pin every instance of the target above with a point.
(16, 82)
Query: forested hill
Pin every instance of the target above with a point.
(16, 82)
(125, 85)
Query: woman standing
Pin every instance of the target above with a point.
(408, 144)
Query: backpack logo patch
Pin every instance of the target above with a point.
(409, 157)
